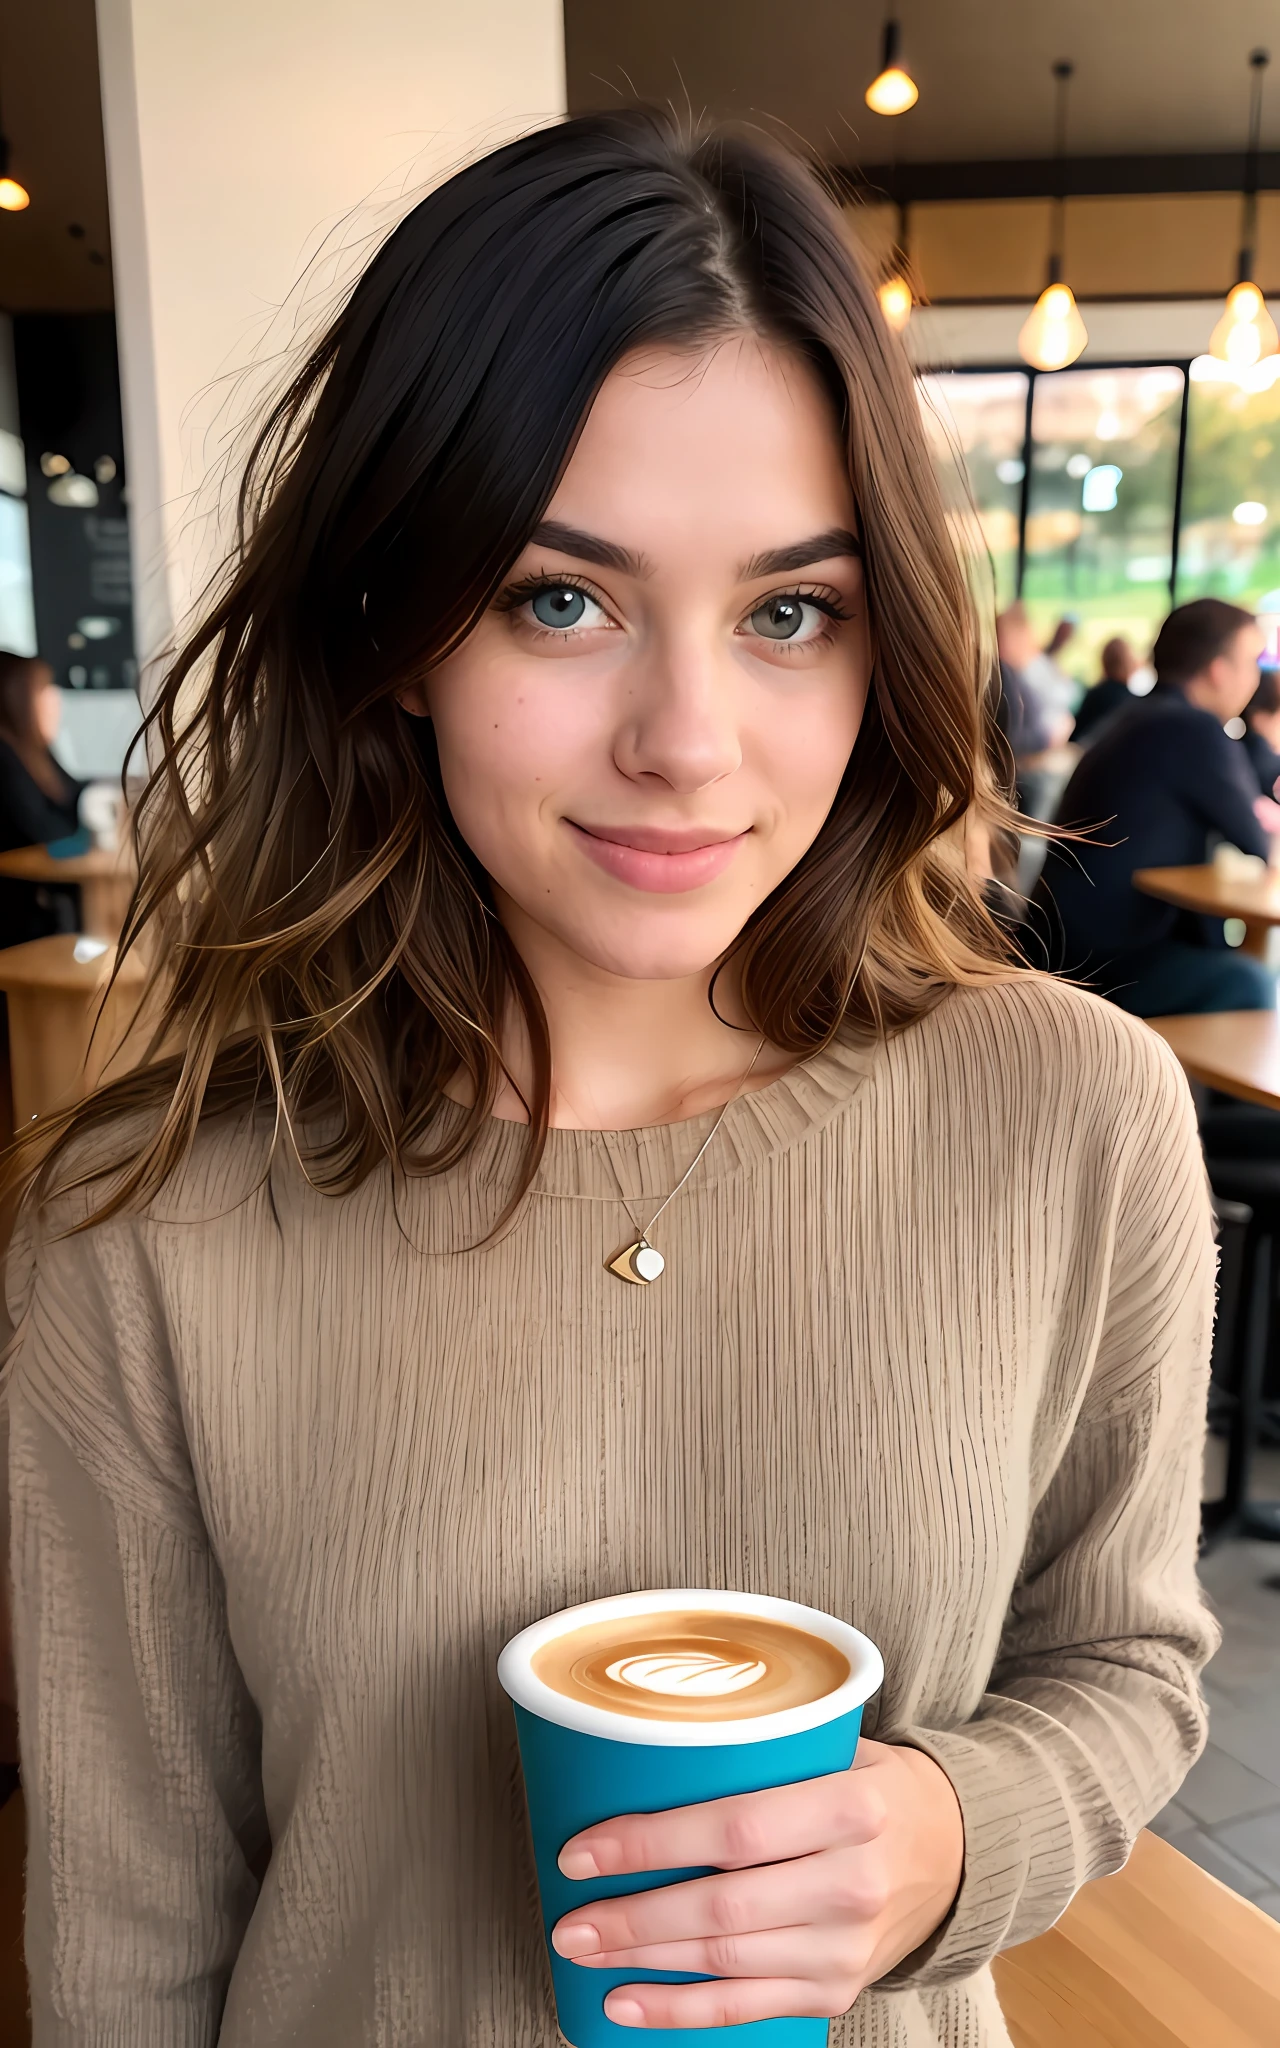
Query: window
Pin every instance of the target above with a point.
(17, 610)
(1099, 533)
(977, 427)
(1144, 478)
(1230, 540)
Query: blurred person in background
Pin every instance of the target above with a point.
(1151, 792)
(1109, 694)
(38, 799)
(1029, 726)
(1261, 740)
(1058, 692)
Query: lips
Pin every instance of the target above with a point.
(664, 863)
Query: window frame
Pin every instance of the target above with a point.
(1002, 368)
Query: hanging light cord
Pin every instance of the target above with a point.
(1258, 62)
(1062, 72)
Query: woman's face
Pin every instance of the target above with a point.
(646, 730)
(48, 705)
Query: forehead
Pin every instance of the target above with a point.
(735, 447)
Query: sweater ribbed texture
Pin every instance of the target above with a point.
(287, 1471)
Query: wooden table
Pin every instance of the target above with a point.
(1256, 904)
(1159, 1956)
(105, 882)
(1237, 1051)
(54, 1000)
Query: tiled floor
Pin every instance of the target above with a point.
(1227, 1815)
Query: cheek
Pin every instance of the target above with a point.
(507, 744)
(802, 755)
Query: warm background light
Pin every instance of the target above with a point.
(895, 301)
(1246, 332)
(13, 196)
(892, 92)
(1053, 334)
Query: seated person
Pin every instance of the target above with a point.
(1030, 726)
(38, 799)
(1151, 792)
(1109, 694)
(1058, 692)
(1262, 730)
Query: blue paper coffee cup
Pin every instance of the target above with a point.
(584, 1763)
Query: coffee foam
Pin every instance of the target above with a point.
(691, 1666)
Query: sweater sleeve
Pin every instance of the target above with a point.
(1092, 1714)
(139, 1740)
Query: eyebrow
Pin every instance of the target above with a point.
(802, 554)
(588, 547)
(607, 554)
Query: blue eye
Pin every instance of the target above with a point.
(561, 605)
(783, 618)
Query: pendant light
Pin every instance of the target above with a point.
(1246, 332)
(892, 90)
(13, 196)
(1053, 334)
(895, 290)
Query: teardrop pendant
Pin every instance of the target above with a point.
(638, 1263)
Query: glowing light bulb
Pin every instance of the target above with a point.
(893, 90)
(1053, 334)
(1246, 332)
(895, 301)
(13, 196)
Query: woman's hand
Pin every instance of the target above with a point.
(824, 1887)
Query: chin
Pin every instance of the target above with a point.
(646, 949)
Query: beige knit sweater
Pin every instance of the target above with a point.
(287, 1471)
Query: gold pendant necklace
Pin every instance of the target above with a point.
(638, 1262)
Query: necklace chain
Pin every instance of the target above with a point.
(638, 1261)
(698, 1155)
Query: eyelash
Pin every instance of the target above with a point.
(516, 594)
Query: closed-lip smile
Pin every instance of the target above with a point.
(663, 861)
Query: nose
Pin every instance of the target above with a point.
(680, 721)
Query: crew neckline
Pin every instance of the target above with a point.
(648, 1161)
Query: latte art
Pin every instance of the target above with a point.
(691, 1667)
(691, 1674)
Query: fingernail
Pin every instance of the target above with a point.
(578, 1863)
(624, 2012)
(578, 1940)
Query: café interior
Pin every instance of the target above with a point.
(1071, 215)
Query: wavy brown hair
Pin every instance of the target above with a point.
(328, 941)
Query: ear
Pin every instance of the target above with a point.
(413, 699)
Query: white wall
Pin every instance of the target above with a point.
(246, 139)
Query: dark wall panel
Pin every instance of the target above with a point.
(69, 411)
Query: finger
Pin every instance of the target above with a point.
(831, 1956)
(718, 2005)
(844, 1885)
(733, 1834)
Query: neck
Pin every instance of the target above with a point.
(1199, 690)
(628, 1053)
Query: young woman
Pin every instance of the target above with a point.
(556, 861)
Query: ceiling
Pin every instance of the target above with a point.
(1152, 76)
(53, 118)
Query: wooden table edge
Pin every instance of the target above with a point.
(1149, 882)
(1208, 1071)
